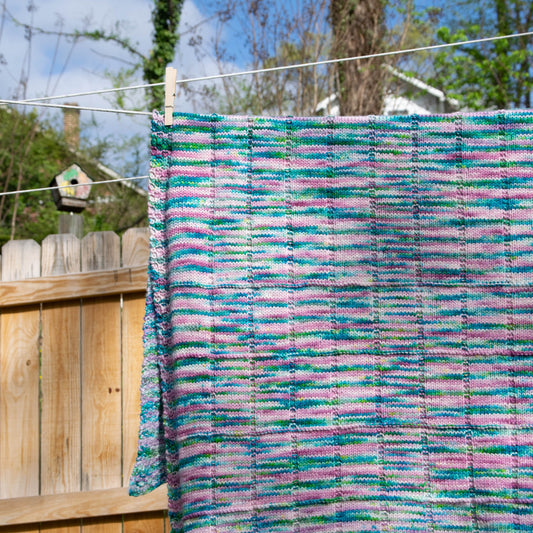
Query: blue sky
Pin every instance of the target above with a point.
(52, 69)
(88, 60)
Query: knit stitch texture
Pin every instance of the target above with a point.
(339, 326)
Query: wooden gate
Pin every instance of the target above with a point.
(70, 360)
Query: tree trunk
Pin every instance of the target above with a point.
(359, 29)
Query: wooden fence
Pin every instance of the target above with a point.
(70, 359)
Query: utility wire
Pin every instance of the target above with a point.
(80, 108)
(36, 102)
(55, 187)
(286, 67)
(354, 58)
(100, 91)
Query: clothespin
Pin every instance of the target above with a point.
(171, 75)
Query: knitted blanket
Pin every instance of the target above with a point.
(339, 324)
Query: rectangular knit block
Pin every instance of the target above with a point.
(339, 324)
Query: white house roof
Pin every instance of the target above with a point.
(393, 104)
(419, 84)
(398, 103)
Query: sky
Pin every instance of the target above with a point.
(87, 62)
(51, 69)
(61, 69)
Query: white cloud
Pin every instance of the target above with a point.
(85, 67)
(85, 63)
(84, 59)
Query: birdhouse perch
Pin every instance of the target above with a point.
(74, 192)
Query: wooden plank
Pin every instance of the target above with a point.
(79, 505)
(19, 529)
(21, 260)
(109, 524)
(168, 529)
(101, 394)
(132, 321)
(135, 247)
(62, 526)
(145, 523)
(19, 402)
(61, 254)
(73, 286)
(60, 398)
(100, 251)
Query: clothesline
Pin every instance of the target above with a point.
(79, 108)
(55, 187)
(38, 101)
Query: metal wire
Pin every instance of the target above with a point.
(37, 101)
(81, 108)
(274, 69)
(55, 187)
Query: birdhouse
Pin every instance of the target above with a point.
(74, 192)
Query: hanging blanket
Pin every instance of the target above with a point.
(339, 324)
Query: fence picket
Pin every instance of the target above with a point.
(19, 379)
(144, 523)
(67, 526)
(100, 251)
(102, 525)
(60, 255)
(101, 394)
(70, 366)
(60, 398)
(135, 247)
(21, 260)
(19, 402)
(132, 317)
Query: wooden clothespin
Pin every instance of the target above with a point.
(171, 75)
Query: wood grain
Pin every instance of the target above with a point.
(21, 260)
(57, 288)
(79, 505)
(109, 524)
(135, 247)
(101, 394)
(60, 398)
(20, 529)
(62, 526)
(144, 523)
(100, 251)
(78, 358)
(19, 401)
(132, 321)
(70, 223)
(61, 254)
